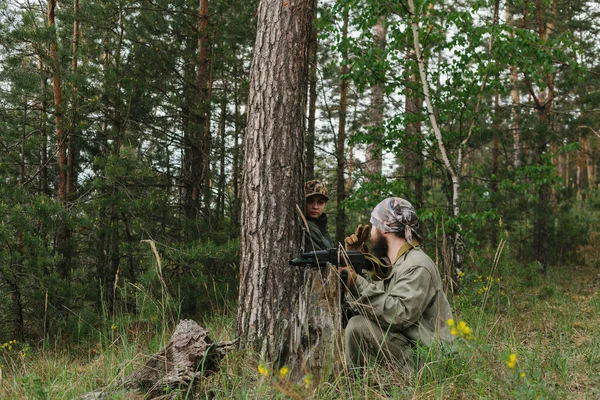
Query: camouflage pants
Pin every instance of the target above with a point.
(366, 342)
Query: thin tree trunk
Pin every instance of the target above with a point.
(72, 134)
(543, 101)
(373, 155)
(16, 265)
(43, 176)
(340, 220)
(196, 147)
(414, 155)
(312, 99)
(63, 234)
(206, 142)
(587, 149)
(515, 100)
(221, 184)
(235, 170)
(58, 107)
(495, 170)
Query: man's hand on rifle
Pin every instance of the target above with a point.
(358, 240)
(347, 275)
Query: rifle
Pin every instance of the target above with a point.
(354, 258)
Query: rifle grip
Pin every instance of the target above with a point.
(344, 277)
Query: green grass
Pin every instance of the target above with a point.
(550, 322)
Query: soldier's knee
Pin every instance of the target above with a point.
(358, 327)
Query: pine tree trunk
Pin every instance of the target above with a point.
(340, 220)
(43, 176)
(235, 168)
(196, 149)
(373, 155)
(312, 100)
(72, 133)
(284, 312)
(58, 107)
(64, 233)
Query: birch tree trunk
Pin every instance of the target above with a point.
(291, 316)
(414, 156)
(452, 169)
(515, 97)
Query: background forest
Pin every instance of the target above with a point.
(122, 124)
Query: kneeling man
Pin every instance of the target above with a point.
(406, 306)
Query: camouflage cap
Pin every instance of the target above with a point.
(395, 215)
(314, 187)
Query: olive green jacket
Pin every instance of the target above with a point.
(318, 238)
(410, 302)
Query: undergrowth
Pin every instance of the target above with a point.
(521, 334)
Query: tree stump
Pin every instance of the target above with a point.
(189, 355)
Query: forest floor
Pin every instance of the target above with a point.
(549, 322)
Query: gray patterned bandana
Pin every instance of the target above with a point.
(394, 215)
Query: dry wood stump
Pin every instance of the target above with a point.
(189, 356)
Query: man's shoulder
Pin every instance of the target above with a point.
(417, 258)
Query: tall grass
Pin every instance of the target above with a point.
(532, 336)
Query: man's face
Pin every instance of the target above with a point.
(379, 244)
(315, 205)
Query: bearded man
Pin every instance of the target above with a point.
(399, 309)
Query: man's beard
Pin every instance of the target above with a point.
(379, 246)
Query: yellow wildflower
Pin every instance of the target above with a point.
(283, 371)
(307, 381)
(450, 322)
(522, 375)
(113, 327)
(263, 370)
(512, 361)
(454, 331)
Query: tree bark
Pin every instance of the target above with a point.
(235, 168)
(373, 155)
(340, 220)
(58, 106)
(515, 101)
(196, 148)
(72, 133)
(543, 103)
(312, 99)
(222, 140)
(43, 176)
(414, 155)
(284, 312)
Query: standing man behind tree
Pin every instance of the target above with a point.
(402, 308)
(318, 238)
